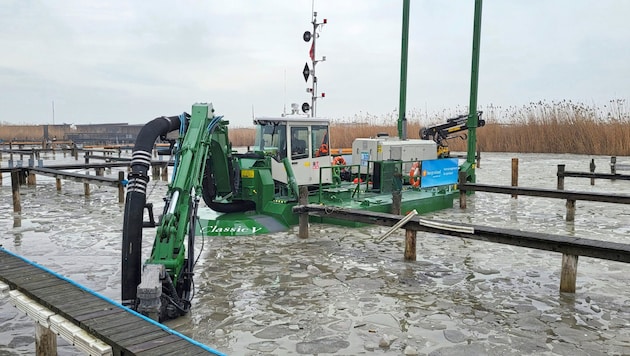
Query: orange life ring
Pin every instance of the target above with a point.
(339, 161)
(414, 175)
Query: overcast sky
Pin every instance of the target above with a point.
(131, 61)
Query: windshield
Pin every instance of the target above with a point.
(271, 138)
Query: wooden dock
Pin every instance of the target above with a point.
(569, 246)
(62, 301)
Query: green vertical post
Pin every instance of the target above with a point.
(402, 107)
(472, 122)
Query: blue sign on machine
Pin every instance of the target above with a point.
(439, 172)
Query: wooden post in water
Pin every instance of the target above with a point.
(592, 169)
(0, 179)
(45, 341)
(121, 187)
(155, 172)
(410, 245)
(303, 200)
(15, 188)
(613, 165)
(87, 157)
(31, 180)
(86, 189)
(100, 171)
(164, 172)
(58, 183)
(568, 274)
(396, 202)
(515, 175)
(478, 157)
(570, 210)
(462, 194)
(560, 175)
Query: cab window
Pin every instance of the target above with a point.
(321, 146)
(299, 142)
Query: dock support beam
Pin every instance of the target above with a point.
(568, 274)
(121, 187)
(592, 169)
(462, 194)
(15, 188)
(410, 245)
(570, 210)
(303, 200)
(515, 175)
(165, 172)
(396, 202)
(45, 341)
(560, 175)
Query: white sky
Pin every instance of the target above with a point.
(131, 60)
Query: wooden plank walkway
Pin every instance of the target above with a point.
(125, 331)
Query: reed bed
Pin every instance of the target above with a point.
(541, 127)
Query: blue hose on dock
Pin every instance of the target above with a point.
(116, 304)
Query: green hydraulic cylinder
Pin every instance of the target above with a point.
(291, 181)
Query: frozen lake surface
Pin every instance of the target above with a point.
(340, 292)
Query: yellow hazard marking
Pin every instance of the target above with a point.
(247, 173)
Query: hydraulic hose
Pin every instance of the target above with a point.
(135, 201)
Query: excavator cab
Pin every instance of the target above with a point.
(304, 141)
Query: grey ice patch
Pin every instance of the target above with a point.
(454, 336)
(324, 345)
(274, 332)
(263, 346)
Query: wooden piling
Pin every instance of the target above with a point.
(155, 172)
(164, 172)
(303, 200)
(462, 194)
(121, 187)
(100, 171)
(58, 183)
(87, 157)
(15, 188)
(515, 175)
(478, 158)
(570, 210)
(45, 341)
(568, 274)
(86, 189)
(592, 169)
(613, 165)
(31, 180)
(410, 245)
(396, 202)
(560, 175)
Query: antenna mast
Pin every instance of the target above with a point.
(307, 72)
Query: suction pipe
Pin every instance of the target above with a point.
(135, 202)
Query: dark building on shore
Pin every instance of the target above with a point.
(96, 134)
(93, 134)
